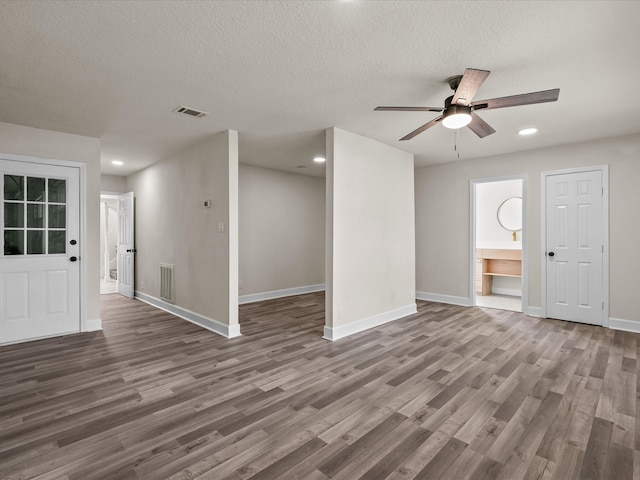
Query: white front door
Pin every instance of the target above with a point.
(575, 247)
(39, 262)
(126, 248)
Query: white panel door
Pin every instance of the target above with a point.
(126, 249)
(39, 261)
(574, 247)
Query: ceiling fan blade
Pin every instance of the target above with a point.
(469, 85)
(515, 100)
(480, 127)
(422, 128)
(408, 109)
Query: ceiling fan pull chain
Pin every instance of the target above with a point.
(455, 143)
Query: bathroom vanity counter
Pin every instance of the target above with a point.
(492, 262)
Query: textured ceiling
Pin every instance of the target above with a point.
(282, 72)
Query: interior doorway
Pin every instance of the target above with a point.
(108, 243)
(498, 227)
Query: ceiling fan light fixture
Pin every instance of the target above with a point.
(456, 116)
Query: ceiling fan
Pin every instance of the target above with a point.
(459, 110)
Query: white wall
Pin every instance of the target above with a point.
(489, 197)
(371, 236)
(281, 232)
(46, 144)
(442, 213)
(113, 183)
(174, 227)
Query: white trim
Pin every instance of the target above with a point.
(229, 331)
(439, 298)
(93, 325)
(604, 169)
(524, 234)
(34, 339)
(533, 311)
(624, 325)
(85, 324)
(286, 292)
(335, 333)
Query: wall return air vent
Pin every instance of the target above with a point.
(192, 112)
(166, 283)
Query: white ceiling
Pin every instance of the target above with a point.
(282, 72)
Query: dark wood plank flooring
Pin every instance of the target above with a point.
(449, 393)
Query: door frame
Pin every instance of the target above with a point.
(82, 228)
(604, 170)
(525, 242)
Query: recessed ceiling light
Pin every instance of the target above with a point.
(319, 159)
(527, 131)
(301, 167)
(117, 162)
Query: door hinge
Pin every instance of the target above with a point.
(602, 248)
(603, 305)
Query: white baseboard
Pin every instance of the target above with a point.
(200, 320)
(624, 325)
(92, 325)
(287, 292)
(533, 311)
(436, 297)
(335, 333)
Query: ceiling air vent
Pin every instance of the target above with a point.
(192, 112)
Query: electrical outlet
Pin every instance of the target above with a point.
(221, 226)
(142, 285)
(240, 284)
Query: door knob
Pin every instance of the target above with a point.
(73, 259)
(551, 254)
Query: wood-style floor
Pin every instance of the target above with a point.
(449, 393)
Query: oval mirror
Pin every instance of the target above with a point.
(510, 214)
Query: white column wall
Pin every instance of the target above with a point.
(173, 226)
(370, 234)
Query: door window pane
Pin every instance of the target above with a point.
(57, 216)
(35, 215)
(57, 190)
(13, 242)
(57, 241)
(35, 189)
(14, 215)
(35, 242)
(13, 187)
